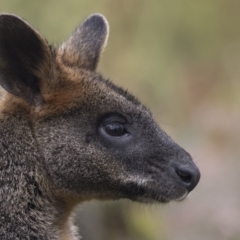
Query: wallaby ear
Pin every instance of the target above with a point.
(84, 47)
(25, 59)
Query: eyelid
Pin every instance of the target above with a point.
(117, 125)
(114, 119)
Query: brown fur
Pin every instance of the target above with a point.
(68, 135)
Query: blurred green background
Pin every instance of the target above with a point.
(181, 58)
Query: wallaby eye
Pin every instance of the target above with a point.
(115, 129)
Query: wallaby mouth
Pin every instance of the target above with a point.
(172, 184)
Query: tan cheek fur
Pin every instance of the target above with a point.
(65, 94)
(68, 90)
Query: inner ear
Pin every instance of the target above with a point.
(25, 58)
(84, 47)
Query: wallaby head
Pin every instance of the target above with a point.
(74, 134)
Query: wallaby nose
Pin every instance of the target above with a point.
(189, 175)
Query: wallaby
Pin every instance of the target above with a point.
(68, 135)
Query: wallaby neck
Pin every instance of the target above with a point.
(27, 206)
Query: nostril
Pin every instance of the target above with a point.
(184, 175)
(189, 176)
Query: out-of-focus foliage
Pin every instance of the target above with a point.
(181, 58)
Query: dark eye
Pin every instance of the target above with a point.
(114, 129)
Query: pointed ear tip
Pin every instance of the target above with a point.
(9, 16)
(6, 18)
(100, 18)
